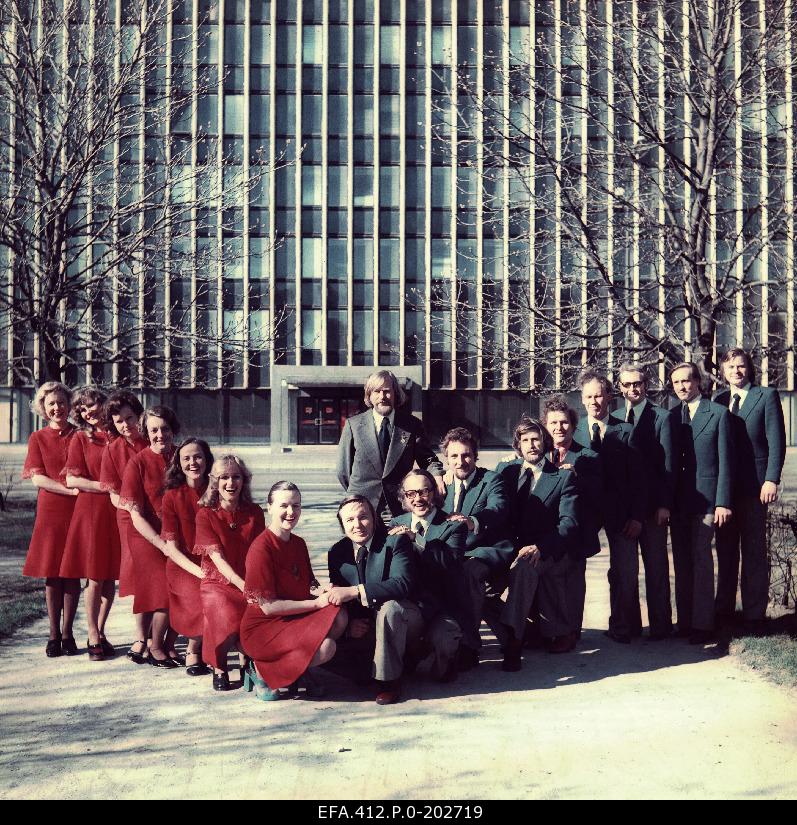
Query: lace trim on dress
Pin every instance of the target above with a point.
(71, 471)
(107, 487)
(29, 472)
(255, 595)
(206, 549)
(129, 504)
(169, 535)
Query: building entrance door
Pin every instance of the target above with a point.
(321, 417)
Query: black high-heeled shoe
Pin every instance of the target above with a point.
(108, 650)
(95, 651)
(178, 659)
(199, 668)
(69, 646)
(166, 663)
(53, 649)
(138, 657)
(221, 681)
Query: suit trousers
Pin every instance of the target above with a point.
(517, 599)
(625, 617)
(556, 614)
(694, 570)
(576, 593)
(653, 543)
(748, 527)
(443, 634)
(483, 585)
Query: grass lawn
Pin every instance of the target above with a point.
(21, 599)
(775, 655)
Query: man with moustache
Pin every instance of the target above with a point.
(561, 420)
(476, 497)
(653, 437)
(371, 574)
(759, 443)
(622, 503)
(543, 519)
(378, 447)
(702, 499)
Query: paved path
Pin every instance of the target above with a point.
(649, 720)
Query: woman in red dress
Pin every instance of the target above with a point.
(121, 415)
(186, 481)
(47, 454)
(142, 496)
(226, 525)
(92, 547)
(286, 630)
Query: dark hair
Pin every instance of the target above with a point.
(175, 477)
(86, 396)
(356, 499)
(463, 436)
(591, 374)
(160, 411)
(432, 483)
(694, 370)
(527, 424)
(377, 378)
(282, 485)
(113, 406)
(558, 403)
(738, 352)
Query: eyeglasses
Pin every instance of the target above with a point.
(627, 385)
(413, 494)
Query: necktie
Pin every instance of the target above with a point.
(524, 484)
(595, 443)
(362, 556)
(735, 404)
(555, 457)
(686, 418)
(384, 439)
(419, 531)
(631, 416)
(460, 497)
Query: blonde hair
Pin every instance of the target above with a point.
(211, 495)
(375, 379)
(37, 405)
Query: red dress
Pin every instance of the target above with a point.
(223, 603)
(179, 525)
(142, 490)
(114, 461)
(282, 646)
(92, 547)
(47, 452)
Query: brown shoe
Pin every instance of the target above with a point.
(388, 692)
(563, 644)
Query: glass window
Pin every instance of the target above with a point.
(441, 45)
(233, 114)
(234, 45)
(336, 259)
(364, 45)
(259, 114)
(363, 186)
(364, 115)
(336, 186)
(311, 114)
(337, 114)
(207, 117)
(441, 259)
(389, 259)
(312, 194)
(286, 114)
(258, 258)
(441, 187)
(312, 254)
(285, 186)
(390, 186)
(363, 259)
(286, 44)
(362, 334)
(390, 45)
(338, 40)
(311, 328)
(311, 44)
(285, 259)
(260, 48)
(388, 332)
(389, 115)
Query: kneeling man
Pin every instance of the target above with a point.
(370, 573)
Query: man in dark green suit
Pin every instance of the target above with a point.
(653, 437)
(543, 517)
(476, 497)
(759, 443)
(622, 503)
(702, 499)
(371, 574)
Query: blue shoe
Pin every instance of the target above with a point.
(254, 681)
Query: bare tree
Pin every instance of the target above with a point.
(119, 206)
(634, 156)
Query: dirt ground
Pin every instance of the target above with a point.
(649, 720)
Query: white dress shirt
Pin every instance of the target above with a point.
(361, 587)
(638, 409)
(536, 470)
(741, 392)
(467, 482)
(379, 418)
(601, 426)
(420, 541)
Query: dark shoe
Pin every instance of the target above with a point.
(388, 692)
(95, 652)
(53, 649)
(701, 637)
(683, 632)
(621, 638)
(139, 657)
(512, 657)
(166, 663)
(69, 646)
(467, 658)
(755, 627)
(450, 673)
(659, 635)
(563, 644)
(108, 650)
(221, 681)
(178, 659)
(314, 688)
(199, 668)
(532, 638)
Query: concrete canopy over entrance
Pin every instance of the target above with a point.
(288, 383)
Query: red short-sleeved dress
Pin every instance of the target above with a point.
(114, 461)
(47, 452)
(223, 604)
(92, 547)
(282, 646)
(142, 490)
(179, 525)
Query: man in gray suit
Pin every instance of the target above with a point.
(380, 446)
(759, 443)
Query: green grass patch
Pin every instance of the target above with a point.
(21, 599)
(773, 656)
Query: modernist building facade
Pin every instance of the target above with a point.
(381, 241)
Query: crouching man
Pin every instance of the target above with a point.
(370, 573)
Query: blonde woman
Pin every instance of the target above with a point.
(226, 525)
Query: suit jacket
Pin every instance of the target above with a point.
(585, 464)
(486, 500)
(705, 449)
(360, 469)
(388, 570)
(653, 437)
(438, 583)
(549, 516)
(759, 439)
(624, 491)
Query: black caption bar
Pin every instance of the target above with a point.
(401, 811)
